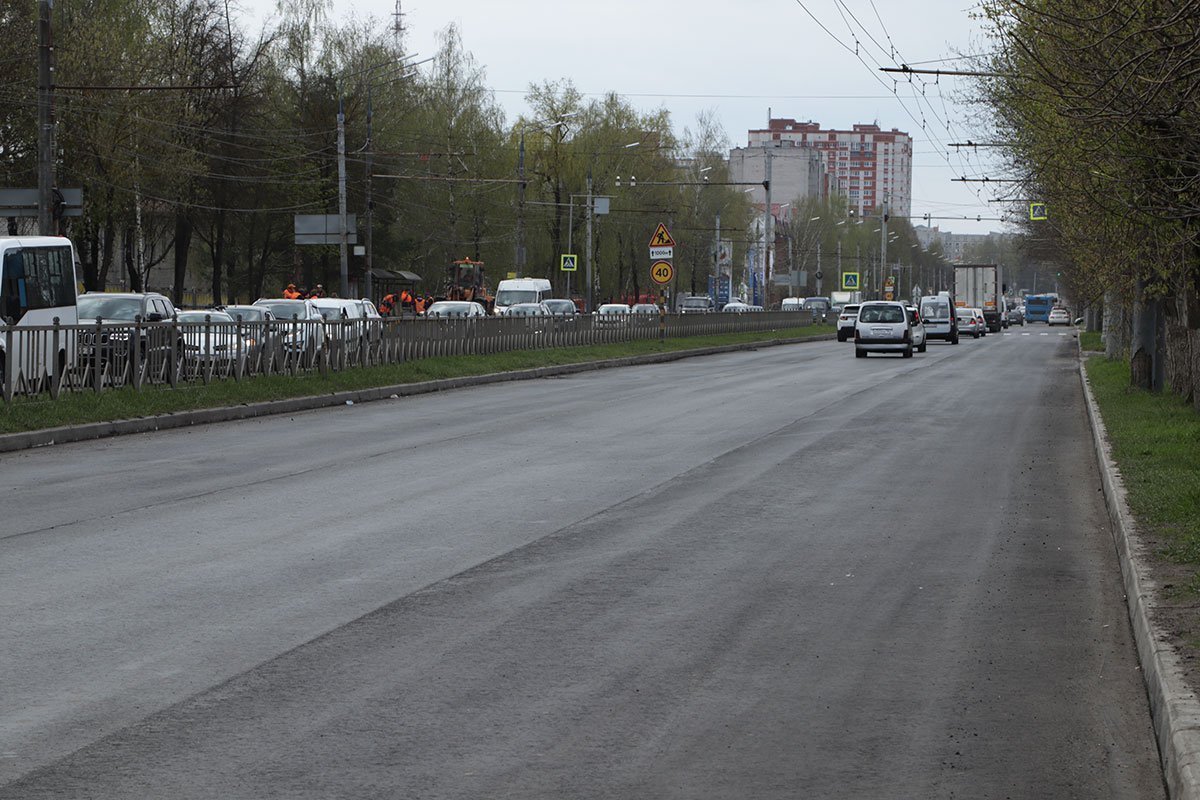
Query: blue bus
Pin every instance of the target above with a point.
(1037, 307)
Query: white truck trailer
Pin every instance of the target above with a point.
(979, 286)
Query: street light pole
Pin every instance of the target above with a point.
(45, 100)
(590, 210)
(520, 254)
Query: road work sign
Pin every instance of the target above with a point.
(849, 281)
(661, 237)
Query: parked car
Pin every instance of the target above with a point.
(527, 310)
(697, 304)
(465, 309)
(211, 336)
(561, 308)
(260, 333)
(116, 312)
(301, 325)
(883, 326)
(612, 314)
(792, 304)
(735, 307)
(938, 315)
(845, 323)
(644, 308)
(1059, 316)
(968, 325)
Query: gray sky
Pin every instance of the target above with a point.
(744, 60)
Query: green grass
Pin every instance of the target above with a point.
(1090, 341)
(27, 414)
(1156, 444)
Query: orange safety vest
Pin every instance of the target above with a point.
(291, 294)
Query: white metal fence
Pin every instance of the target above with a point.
(73, 358)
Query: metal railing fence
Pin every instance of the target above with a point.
(53, 359)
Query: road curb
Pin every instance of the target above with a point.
(12, 442)
(1174, 709)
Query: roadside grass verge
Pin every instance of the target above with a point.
(1090, 341)
(36, 413)
(1155, 440)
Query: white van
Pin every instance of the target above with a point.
(520, 290)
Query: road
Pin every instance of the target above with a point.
(782, 573)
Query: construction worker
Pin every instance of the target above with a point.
(387, 304)
(317, 292)
(290, 292)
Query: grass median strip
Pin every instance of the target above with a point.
(1090, 341)
(36, 413)
(1155, 440)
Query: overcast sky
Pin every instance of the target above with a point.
(745, 60)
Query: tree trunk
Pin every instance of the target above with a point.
(91, 264)
(1179, 361)
(106, 260)
(1142, 347)
(218, 258)
(131, 270)
(1116, 327)
(183, 244)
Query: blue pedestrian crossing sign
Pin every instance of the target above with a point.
(1037, 212)
(569, 262)
(849, 281)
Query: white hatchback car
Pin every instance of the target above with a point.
(845, 323)
(885, 326)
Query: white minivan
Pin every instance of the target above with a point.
(520, 290)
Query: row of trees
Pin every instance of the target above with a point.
(1096, 105)
(196, 141)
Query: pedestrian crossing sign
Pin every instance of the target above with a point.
(569, 262)
(849, 281)
(1037, 212)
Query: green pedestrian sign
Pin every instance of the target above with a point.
(569, 262)
(849, 281)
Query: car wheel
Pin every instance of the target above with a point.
(922, 348)
(975, 334)
(908, 351)
(954, 339)
(841, 336)
(860, 353)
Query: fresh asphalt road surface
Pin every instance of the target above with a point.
(783, 573)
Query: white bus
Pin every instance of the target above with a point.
(37, 286)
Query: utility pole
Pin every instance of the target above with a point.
(883, 221)
(46, 221)
(768, 238)
(369, 261)
(590, 206)
(839, 261)
(520, 254)
(344, 234)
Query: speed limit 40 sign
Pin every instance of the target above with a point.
(661, 272)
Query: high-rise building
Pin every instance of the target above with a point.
(796, 174)
(865, 164)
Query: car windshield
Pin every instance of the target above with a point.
(510, 297)
(560, 306)
(284, 310)
(101, 307)
(935, 310)
(881, 314)
(696, 302)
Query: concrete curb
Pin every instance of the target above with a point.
(11, 442)
(1174, 709)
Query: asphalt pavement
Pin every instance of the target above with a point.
(782, 573)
